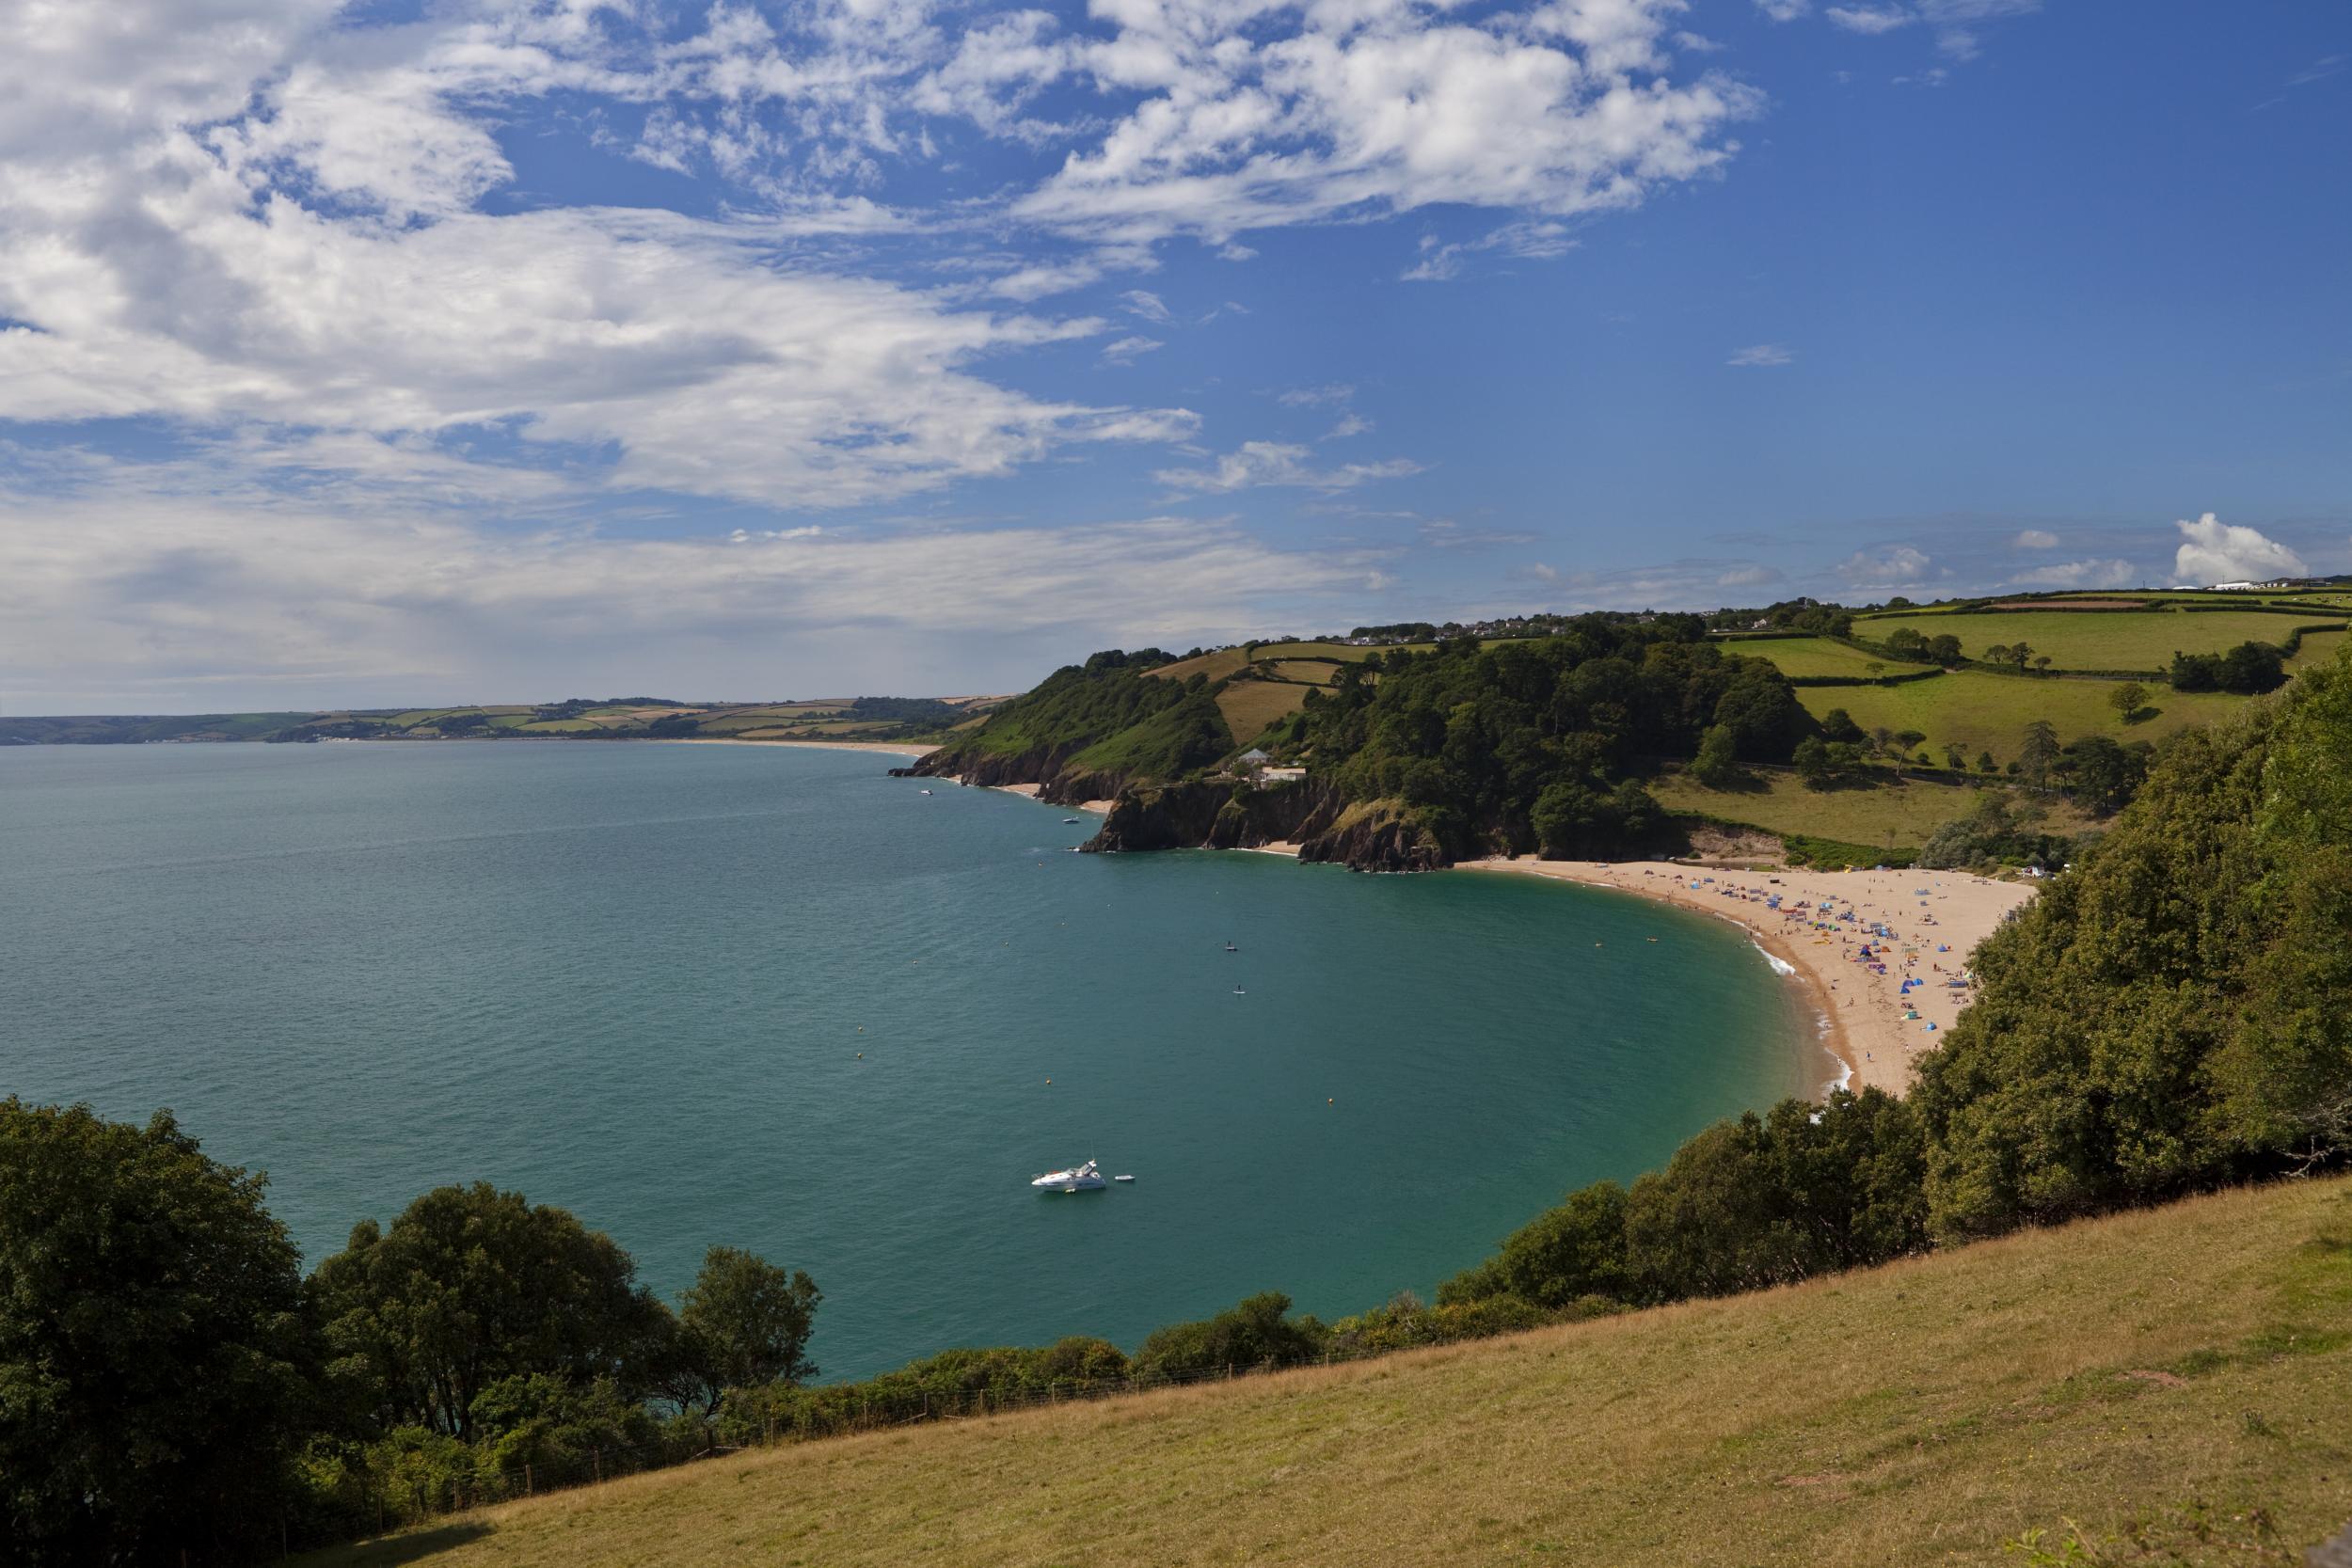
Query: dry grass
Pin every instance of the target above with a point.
(1217, 666)
(2184, 1367)
(1250, 706)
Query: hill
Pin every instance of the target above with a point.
(578, 719)
(2172, 1386)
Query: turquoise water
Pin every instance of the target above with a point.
(635, 980)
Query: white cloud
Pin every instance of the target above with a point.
(1869, 19)
(2215, 551)
(1311, 397)
(1350, 424)
(1762, 356)
(1784, 11)
(1893, 566)
(1749, 577)
(1126, 350)
(2035, 539)
(1528, 241)
(1444, 533)
(1144, 303)
(189, 605)
(1259, 463)
(2080, 573)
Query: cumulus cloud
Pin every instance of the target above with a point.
(1260, 463)
(1893, 566)
(2214, 551)
(1784, 11)
(2035, 539)
(1762, 356)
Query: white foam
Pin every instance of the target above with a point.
(1780, 966)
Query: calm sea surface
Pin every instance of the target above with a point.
(635, 980)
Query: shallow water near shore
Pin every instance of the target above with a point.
(635, 981)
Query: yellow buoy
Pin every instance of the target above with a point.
(1329, 1100)
(861, 1055)
(1049, 1083)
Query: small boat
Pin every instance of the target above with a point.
(1070, 821)
(1122, 1178)
(1230, 948)
(1238, 992)
(926, 792)
(1077, 1178)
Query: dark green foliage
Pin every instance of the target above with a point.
(2104, 774)
(1258, 1332)
(154, 1367)
(745, 1322)
(1180, 737)
(552, 1425)
(1718, 763)
(1838, 725)
(955, 1382)
(1077, 706)
(2170, 1014)
(1763, 1200)
(2250, 667)
(1405, 1324)
(471, 1287)
(1993, 833)
(1528, 744)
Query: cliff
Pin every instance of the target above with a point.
(1380, 835)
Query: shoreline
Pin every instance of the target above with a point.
(1871, 1022)
(891, 748)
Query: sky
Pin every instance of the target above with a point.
(375, 352)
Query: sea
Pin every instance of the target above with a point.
(776, 999)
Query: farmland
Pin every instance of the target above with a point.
(1881, 812)
(1978, 710)
(2098, 640)
(1800, 657)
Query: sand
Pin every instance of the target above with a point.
(1100, 808)
(1935, 920)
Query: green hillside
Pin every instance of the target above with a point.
(1979, 711)
(2170, 1386)
(2102, 638)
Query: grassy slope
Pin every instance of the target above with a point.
(1978, 710)
(2134, 1367)
(1814, 656)
(1250, 706)
(1779, 803)
(2100, 640)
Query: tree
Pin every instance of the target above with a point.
(1954, 760)
(1944, 649)
(1997, 653)
(154, 1367)
(2108, 774)
(1258, 1332)
(2042, 661)
(2127, 700)
(1985, 763)
(1908, 739)
(744, 1322)
(1718, 764)
(1838, 725)
(1813, 765)
(2041, 749)
(2019, 653)
(470, 1286)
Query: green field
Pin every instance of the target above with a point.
(1879, 813)
(1801, 657)
(1978, 710)
(2317, 647)
(1250, 706)
(2096, 640)
(2172, 1386)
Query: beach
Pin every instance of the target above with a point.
(1879, 950)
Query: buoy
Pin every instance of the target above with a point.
(861, 1055)
(1329, 1100)
(1049, 1083)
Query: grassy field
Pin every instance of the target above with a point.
(2317, 647)
(1879, 815)
(2173, 1385)
(1978, 710)
(1815, 656)
(1217, 666)
(1250, 706)
(2097, 640)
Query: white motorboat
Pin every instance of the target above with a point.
(1077, 1178)
(1069, 821)
(1122, 1178)
(926, 792)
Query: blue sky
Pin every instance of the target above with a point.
(390, 352)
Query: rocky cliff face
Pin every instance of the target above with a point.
(1213, 816)
(1058, 783)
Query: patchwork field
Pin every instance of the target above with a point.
(2173, 1385)
(1801, 657)
(1978, 710)
(1880, 813)
(2098, 640)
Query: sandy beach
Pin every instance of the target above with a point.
(1879, 950)
(1099, 808)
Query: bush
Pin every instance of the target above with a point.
(1258, 1332)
